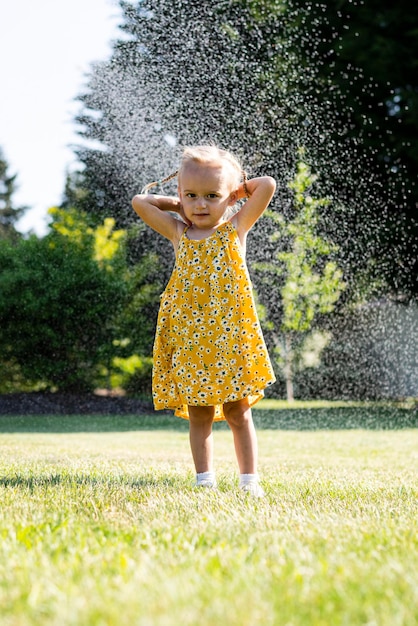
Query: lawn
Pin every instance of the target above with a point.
(100, 524)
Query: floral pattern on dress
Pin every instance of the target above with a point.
(209, 348)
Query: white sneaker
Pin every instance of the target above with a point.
(206, 484)
(207, 480)
(253, 489)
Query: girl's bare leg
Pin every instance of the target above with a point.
(201, 437)
(239, 417)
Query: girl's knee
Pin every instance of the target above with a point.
(237, 413)
(201, 414)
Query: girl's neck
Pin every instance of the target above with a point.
(196, 234)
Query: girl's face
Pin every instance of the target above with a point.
(206, 191)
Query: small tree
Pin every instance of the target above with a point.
(309, 282)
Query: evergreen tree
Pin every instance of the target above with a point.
(9, 214)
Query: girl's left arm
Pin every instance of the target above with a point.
(260, 191)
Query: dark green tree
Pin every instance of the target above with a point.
(73, 315)
(59, 298)
(370, 71)
(9, 214)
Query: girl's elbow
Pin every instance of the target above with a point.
(137, 201)
(136, 198)
(268, 187)
(271, 183)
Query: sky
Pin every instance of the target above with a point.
(47, 48)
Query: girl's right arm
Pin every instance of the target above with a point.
(155, 211)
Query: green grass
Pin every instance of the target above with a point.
(104, 528)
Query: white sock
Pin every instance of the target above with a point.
(204, 478)
(248, 479)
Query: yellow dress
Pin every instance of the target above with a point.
(209, 348)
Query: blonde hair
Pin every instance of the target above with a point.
(205, 154)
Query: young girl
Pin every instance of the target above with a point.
(210, 359)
